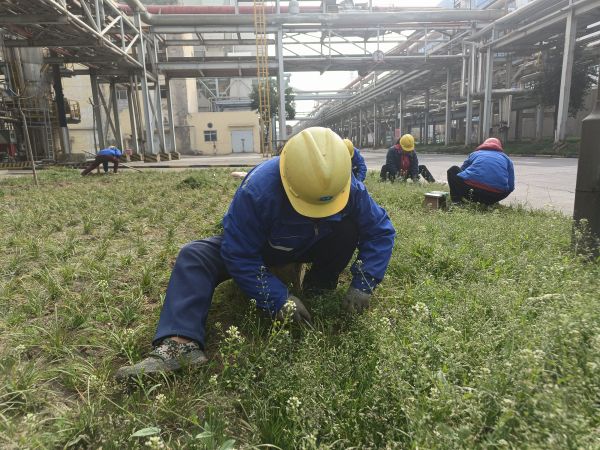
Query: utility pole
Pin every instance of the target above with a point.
(587, 191)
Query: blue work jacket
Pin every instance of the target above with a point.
(490, 170)
(261, 215)
(359, 167)
(110, 151)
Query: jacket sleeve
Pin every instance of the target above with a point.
(361, 167)
(414, 166)
(390, 160)
(245, 232)
(376, 241)
(511, 175)
(467, 162)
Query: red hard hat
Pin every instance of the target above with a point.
(491, 144)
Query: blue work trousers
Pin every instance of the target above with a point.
(199, 269)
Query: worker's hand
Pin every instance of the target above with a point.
(356, 300)
(295, 308)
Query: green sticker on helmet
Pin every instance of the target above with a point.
(326, 198)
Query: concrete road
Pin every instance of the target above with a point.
(541, 182)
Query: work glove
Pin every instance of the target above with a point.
(356, 300)
(295, 308)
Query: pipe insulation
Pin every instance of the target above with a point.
(398, 15)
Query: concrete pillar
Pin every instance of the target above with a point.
(487, 103)
(565, 79)
(587, 189)
(61, 110)
(401, 108)
(97, 111)
(170, 117)
(518, 124)
(448, 107)
(115, 112)
(539, 122)
(149, 144)
(281, 83)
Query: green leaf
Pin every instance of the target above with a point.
(227, 445)
(150, 431)
(204, 435)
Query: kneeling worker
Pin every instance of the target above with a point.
(304, 206)
(402, 160)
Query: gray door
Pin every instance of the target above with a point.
(242, 141)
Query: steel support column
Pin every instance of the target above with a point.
(115, 113)
(281, 84)
(426, 117)
(149, 144)
(160, 123)
(97, 111)
(132, 116)
(60, 108)
(539, 122)
(170, 117)
(360, 129)
(487, 103)
(375, 125)
(447, 119)
(565, 78)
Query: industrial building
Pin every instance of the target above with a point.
(170, 79)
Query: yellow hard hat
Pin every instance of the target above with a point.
(350, 146)
(407, 142)
(315, 171)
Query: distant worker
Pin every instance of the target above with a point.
(303, 206)
(359, 167)
(402, 161)
(104, 156)
(487, 176)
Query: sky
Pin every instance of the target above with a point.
(307, 81)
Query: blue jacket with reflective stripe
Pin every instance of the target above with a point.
(261, 215)
(114, 152)
(359, 167)
(490, 170)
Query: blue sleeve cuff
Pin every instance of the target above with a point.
(364, 283)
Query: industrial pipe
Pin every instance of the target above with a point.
(401, 15)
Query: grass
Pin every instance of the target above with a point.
(484, 334)
(517, 148)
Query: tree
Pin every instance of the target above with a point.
(290, 104)
(547, 88)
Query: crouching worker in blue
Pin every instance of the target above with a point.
(301, 207)
(104, 156)
(487, 176)
(359, 167)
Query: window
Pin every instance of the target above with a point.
(210, 136)
(122, 94)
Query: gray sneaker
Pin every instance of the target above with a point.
(167, 356)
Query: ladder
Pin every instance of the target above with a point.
(262, 77)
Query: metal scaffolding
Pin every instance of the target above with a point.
(452, 74)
